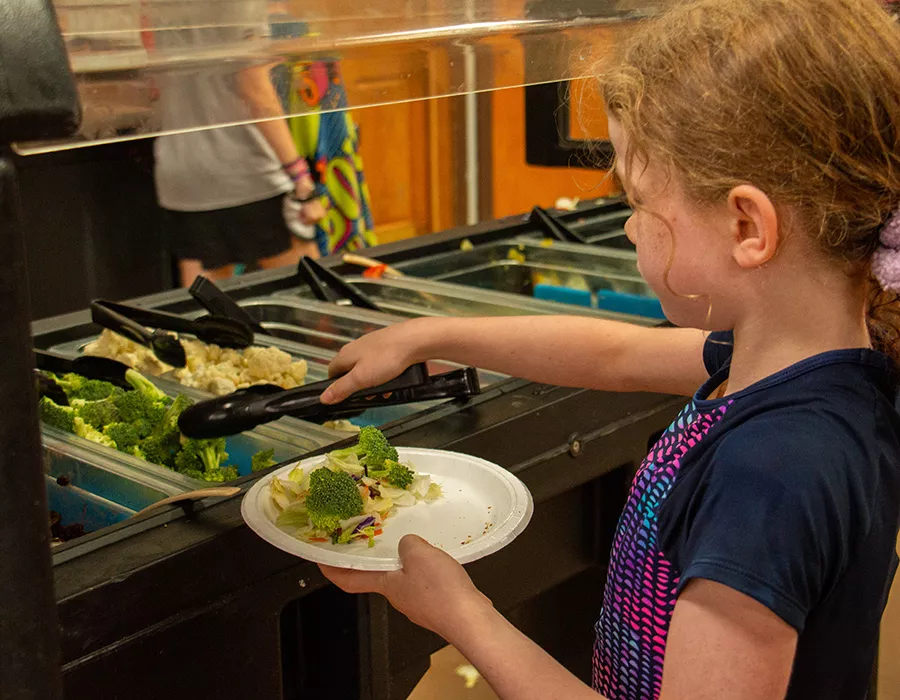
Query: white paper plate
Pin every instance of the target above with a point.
(483, 509)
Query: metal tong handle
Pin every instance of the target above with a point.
(554, 227)
(218, 303)
(328, 286)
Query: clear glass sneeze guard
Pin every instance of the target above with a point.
(151, 67)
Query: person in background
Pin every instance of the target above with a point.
(759, 144)
(329, 139)
(237, 195)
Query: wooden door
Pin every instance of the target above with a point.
(516, 186)
(408, 146)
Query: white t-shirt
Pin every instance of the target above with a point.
(213, 168)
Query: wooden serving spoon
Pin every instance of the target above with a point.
(214, 491)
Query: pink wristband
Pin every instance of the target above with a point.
(296, 169)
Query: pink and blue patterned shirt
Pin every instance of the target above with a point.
(787, 491)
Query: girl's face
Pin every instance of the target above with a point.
(682, 252)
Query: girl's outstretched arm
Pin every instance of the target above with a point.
(561, 350)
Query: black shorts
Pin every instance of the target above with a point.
(236, 235)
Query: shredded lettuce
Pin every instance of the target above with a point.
(379, 501)
(293, 518)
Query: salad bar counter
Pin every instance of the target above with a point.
(184, 599)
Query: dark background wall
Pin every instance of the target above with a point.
(91, 226)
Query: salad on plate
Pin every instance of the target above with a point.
(350, 494)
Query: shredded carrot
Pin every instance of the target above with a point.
(318, 539)
(378, 532)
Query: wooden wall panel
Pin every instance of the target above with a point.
(517, 186)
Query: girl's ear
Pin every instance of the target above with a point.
(754, 226)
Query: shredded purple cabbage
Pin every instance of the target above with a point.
(365, 523)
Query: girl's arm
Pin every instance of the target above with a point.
(722, 644)
(561, 350)
(255, 86)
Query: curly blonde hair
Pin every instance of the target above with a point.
(801, 98)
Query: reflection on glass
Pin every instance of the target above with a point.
(126, 53)
(241, 195)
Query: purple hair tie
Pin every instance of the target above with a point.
(886, 261)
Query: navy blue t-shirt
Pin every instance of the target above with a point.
(787, 491)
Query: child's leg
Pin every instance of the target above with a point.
(191, 269)
(292, 255)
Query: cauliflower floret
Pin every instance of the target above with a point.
(230, 356)
(220, 386)
(117, 347)
(266, 363)
(197, 350)
(209, 367)
(297, 371)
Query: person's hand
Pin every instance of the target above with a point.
(374, 359)
(432, 589)
(312, 212)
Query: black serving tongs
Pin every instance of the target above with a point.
(102, 368)
(247, 408)
(256, 405)
(131, 321)
(460, 383)
(555, 228)
(86, 365)
(219, 304)
(327, 286)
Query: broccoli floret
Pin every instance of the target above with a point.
(146, 387)
(262, 460)
(78, 387)
(124, 435)
(221, 474)
(203, 459)
(371, 450)
(60, 417)
(144, 427)
(395, 474)
(134, 406)
(97, 414)
(168, 425)
(333, 496)
(88, 432)
(377, 449)
(159, 450)
(203, 456)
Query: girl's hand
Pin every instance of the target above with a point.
(312, 212)
(374, 359)
(432, 589)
